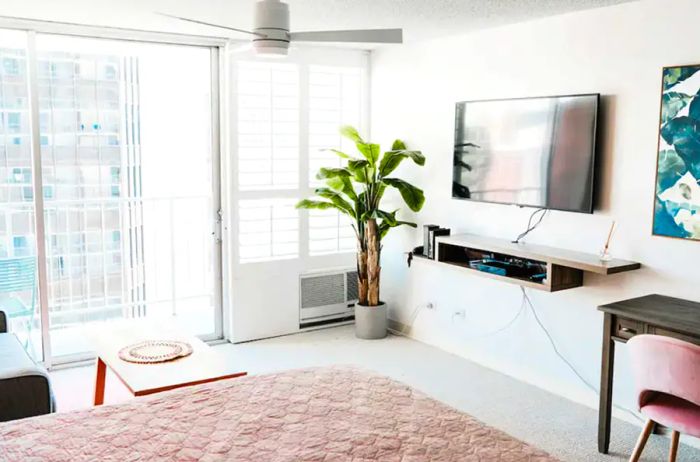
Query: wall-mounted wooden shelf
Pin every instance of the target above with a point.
(562, 268)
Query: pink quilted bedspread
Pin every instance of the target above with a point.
(324, 414)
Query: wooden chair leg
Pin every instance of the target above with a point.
(642, 441)
(675, 436)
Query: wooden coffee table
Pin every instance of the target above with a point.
(204, 364)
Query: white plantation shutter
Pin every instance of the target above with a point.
(330, 232)
(336, 98)
(285, 114)
(268, 125)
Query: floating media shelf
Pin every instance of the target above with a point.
(536, 266)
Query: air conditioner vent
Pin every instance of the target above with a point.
(328, 289)
(327, 298)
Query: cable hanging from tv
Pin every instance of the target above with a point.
(530, 225)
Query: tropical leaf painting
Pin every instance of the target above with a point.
(673, 103)
(676, 75)
(677, 198)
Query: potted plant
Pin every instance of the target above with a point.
(356, 189)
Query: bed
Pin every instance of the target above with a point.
(320, 414)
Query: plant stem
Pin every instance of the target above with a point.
(373, 267)
(362, 283)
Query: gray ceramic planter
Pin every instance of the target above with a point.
(370, 321)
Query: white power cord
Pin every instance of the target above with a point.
(413, 317)
(505, 327)
(531, 227)
(563, 358)
(526, 303)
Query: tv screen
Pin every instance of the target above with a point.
(537, 152)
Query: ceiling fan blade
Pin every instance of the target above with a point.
(365, 36)
(196, 21)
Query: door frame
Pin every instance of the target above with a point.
(217, 46)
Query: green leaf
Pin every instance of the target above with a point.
(675, 75)
(325, 173)
(367, 215)
(370, 151)
(348, 189)
(335, 184)
(415, 156)
(311, 204)
(386, 217)
(694, 110)
(358, 164)
(358, 169)
(342, 184)
(339, 180)
(389, 218)
(337, 200)
(360, 208)
(412, 195)
(340, 154)
(381, 187)
(351, 133)
(392, 159)
(671, 167)
(398, 146)
(671, 104)
(385, 227)
(684, 134)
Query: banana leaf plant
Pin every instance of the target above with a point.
(356, 189)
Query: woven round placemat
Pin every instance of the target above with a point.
(155, 351)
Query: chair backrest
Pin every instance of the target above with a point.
(17, 274)
(666, 365)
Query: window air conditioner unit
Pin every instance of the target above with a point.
(327, 297)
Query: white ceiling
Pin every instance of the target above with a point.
(420, 19)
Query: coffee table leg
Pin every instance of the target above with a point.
(100, 382)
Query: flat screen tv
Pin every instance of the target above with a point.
(533, 152)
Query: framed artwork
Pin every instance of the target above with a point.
(677, 195)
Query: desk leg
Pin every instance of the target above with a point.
(606, 385)
(100, 382)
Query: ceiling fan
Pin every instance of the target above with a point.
(271, 35)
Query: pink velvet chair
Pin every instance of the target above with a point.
(667, 378)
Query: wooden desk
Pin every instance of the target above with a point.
(651, 314)
(202, 366)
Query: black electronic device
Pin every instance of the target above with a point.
(535, 152)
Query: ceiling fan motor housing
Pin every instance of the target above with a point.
(272, 22)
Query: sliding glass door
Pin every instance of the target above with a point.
(18, 252)
(129, 170)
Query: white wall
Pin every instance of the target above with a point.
(617, 51)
